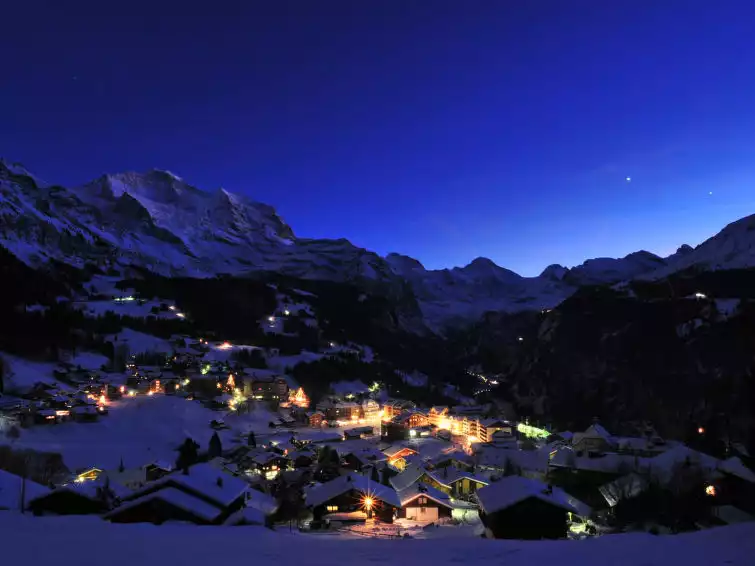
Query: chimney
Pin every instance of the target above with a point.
(219, 481)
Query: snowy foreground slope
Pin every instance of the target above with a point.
(64, 540)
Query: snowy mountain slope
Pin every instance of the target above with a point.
(158, 221)
(732, 248)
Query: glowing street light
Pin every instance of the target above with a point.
(286, 312)
(710, 490)
(700, 430)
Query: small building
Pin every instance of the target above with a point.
(358, 432)
(316, 419)
(456, 482)
(355, 496)
(397, 455)
(394, 407)
(204, 495)
(344, 411)
(595, 440)
(524, 508)
(85, 498)
(420, 502)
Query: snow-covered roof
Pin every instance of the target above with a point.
(663, 465)
(408, 477)
(10, 491)
(415, 490)
(395, 449)
(261, 501)
(450, 475)
(593, 431)
(246, 516)
(175, 497)
(343, 484)
(514, 489)
(203, 478)
(735, 467)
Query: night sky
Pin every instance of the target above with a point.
(444, 130)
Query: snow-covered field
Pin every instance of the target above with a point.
(139, 430)
(140, 342)
(64, 538)
(23, 373)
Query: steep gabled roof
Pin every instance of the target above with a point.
(417, 489)
(408, 477)
(343, 484)
(513, 489)
(202, 479)
(175, 497)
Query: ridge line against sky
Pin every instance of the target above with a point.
(438, 129)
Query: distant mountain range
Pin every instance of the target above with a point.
(157, 221)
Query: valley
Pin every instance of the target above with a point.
(174, 355)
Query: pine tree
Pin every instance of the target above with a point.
(252, 441)
(216, 447)
(188, 455)
(121, 467)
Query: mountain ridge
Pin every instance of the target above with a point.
(159, 221)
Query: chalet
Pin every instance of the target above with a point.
(523, 508)
(456, 482)
(204, 496)
(316, 419)
(503, 439)
(438, 416)
(394, 407)
(595, 439)
(420, 502)
(353, 496)
(344, 411)
(264, 385)
(268, 464)
(488, 427)
(397, 454)
(16, 492)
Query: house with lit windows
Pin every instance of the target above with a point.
(352, 497)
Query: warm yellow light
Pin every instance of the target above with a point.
(103, 400)
(150, 392)
(368, 501)
(132, 393)
(225, 346)
(180, 315)
(710, 490)
(123, 389)
(700, 430)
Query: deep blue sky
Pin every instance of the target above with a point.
(442, 129)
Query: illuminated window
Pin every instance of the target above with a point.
(422, 500)
(332, 508)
